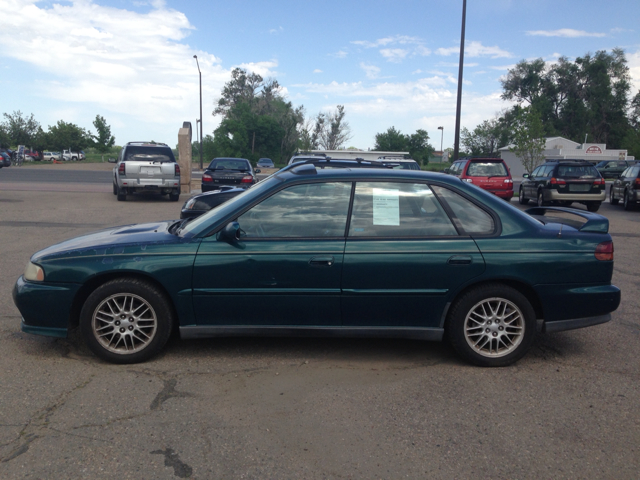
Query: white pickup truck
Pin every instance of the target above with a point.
(73, 156)
(146, 167)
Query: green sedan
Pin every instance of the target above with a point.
(331, 252)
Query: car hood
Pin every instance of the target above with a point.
(111, 241)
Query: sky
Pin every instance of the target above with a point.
(390, 63)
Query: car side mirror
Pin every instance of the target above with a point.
(112, 160)
(231, 233)
(525, 175)
(446, 170)
(257, 170)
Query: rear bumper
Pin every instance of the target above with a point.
(502, 193)
(553, 195)
(576, 303)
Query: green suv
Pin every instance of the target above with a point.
(564, 182)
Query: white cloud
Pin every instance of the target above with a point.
(276, 31)
(340, 54)
(370, 70)
(475, 49)
(317, 70)
(264, 69)
(113, 59)
(565, 32)
(395, 55)
(383, 42)
(633, 61)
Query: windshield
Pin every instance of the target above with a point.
(229, 164)
(204, 221)
(487, 169)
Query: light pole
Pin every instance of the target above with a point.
(200, 74)
(456, 145)
(441, 138)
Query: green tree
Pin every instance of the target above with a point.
(103, 140)
(391, 141)
(528, 138)
(5, 139)
(257, 120)
(333, 130)
(65, 135)
(21, 129)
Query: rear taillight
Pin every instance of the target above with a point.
(122, 169)
(557, 181)
(636, 184)
(247, 179)
(177, 170)
(604, 251)
(207, 178)
(599, 181)
(508, 180)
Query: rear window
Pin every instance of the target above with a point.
(230, 164)
(578, 171)
(487, 169)
(153, 154)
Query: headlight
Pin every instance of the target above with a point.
(34, 273)
(190, 203)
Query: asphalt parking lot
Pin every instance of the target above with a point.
(307, 408)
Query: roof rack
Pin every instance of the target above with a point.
(345, 161)
(569, 160)
(147, 142)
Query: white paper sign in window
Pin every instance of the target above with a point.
(386, 207)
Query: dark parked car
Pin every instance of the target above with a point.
(5, 159)
(564, 182)
(626, 188)
(398, 162)
(236, 172)
(613, 168)
(490, 174)
(202, 203)
(265, 163)
(338, 252)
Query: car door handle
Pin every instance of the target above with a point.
(321, 261)
(459, 260)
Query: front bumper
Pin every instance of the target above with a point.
(552, 195)
(45, 308)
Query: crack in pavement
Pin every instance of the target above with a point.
(37, 426)
(172, 459)
(167, 392)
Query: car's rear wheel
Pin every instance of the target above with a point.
(126, 321)
(521, 198)
(593, 206)
(540, 200)
(612, 199)
(122, 194)
(491, 325)
(174, 196)
(115, 188)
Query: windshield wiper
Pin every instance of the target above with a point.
(182, 224)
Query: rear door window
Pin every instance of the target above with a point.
(577, 171)
(390, 209)
(468, 217)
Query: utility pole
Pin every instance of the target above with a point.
(456, 146)
(200, 74)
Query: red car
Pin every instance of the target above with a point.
(490, 174)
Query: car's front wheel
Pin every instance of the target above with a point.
(126, 321)
(612, 199)
(628, 202)
(492, 325)
(521, 198)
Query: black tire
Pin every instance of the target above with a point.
(593, 206)
(124, 337)
(115, 188)
(628, 203)
(521, 198)
(122, 194)
(613, 200)
(174, 197)
(508, 199)
(516, 333)
(540, 199)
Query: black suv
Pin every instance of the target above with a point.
(613, 168)
(564, 182)
(627, 188)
